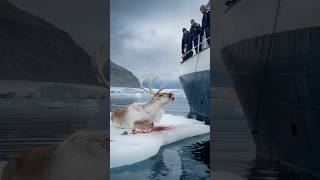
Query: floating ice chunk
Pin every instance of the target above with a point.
(124, 91)
(132, 148)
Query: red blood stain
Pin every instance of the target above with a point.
(161, 128)
(156, 129)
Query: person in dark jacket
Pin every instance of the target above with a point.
(186, 45)
(206, 21)
(195, 31)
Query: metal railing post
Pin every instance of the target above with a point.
(198, 42)
(202, 43)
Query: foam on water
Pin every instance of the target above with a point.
(133, 148)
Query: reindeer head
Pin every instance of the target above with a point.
(158, 97)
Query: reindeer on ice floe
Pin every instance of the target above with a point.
(143, 116)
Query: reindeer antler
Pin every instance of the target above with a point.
(149, 90)
(160, 89)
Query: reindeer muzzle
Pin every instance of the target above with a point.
(172, 97)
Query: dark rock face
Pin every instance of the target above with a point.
(121, 77)
(32, 49)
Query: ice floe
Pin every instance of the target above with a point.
(133, 148)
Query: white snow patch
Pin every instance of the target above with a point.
(133, 148)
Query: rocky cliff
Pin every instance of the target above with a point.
(121, 77)
(32, 49)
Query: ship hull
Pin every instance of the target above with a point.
(281, 101)
(195, 80)
(197, 89)
(275, 68)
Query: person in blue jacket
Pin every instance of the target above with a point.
(206, 22)
(195, 31)
(186, 46)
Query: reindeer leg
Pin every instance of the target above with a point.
(143, 125)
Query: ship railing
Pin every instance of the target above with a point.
(196, 50)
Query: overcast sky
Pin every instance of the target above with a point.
(146, 35)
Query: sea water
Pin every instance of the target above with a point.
(186, 159)
(234, 149)
(26, 123)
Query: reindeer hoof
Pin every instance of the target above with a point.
(147, 130)
(124, 133)
(137, 131)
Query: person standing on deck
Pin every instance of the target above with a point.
(186, 45)
(206, 22)
(195, 31)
